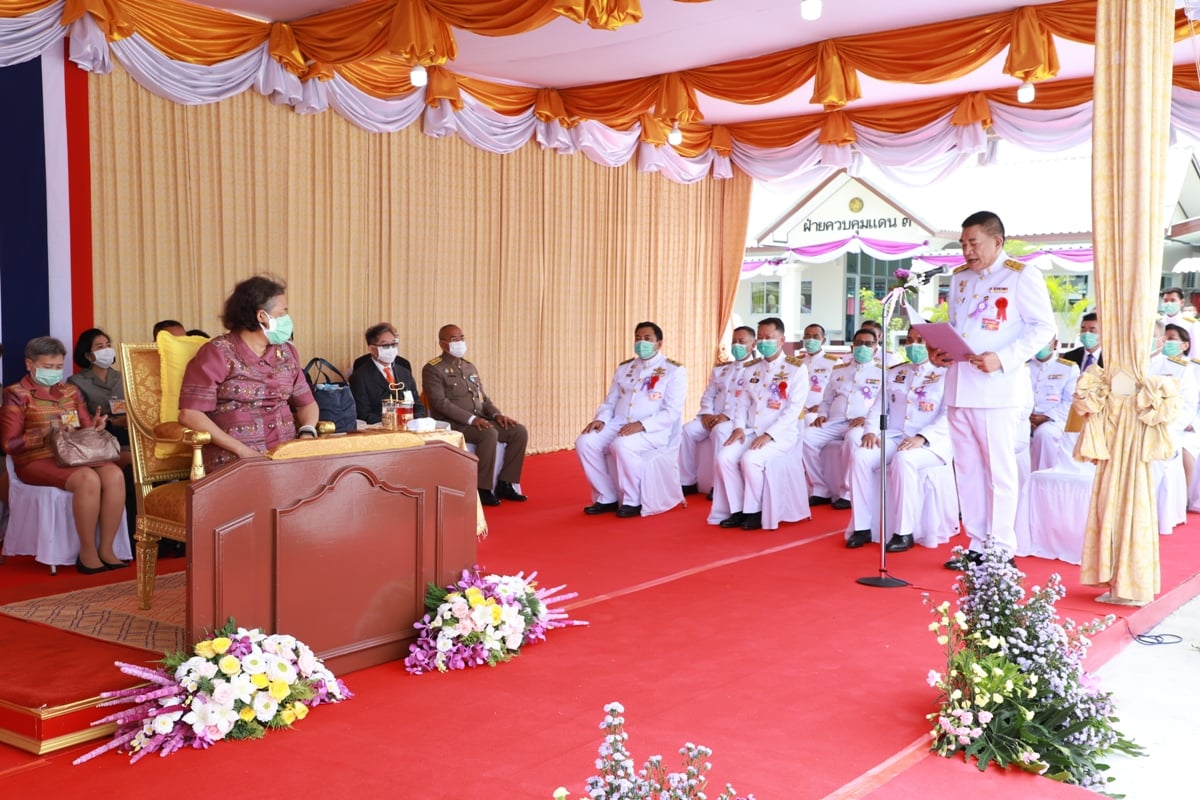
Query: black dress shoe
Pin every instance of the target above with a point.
(858, 539)
(709, 495)
(600, 508)
(506, 491)
(691, 488)
(815, 500)
(624, 512)
(118, 565)
(841, 504)
(86, 570)
(734, 520)
(488, 498)
(898, 543)
(752, 522)
(960, 563)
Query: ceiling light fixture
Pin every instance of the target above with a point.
(675, 137)
(418, 76)
(810, 10)
(1026, 92)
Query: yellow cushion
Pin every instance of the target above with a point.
(174, 353)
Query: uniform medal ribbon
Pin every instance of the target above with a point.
(980, 307)
(1002, 308)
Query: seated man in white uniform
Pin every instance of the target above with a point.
(1171, 311)
(841, 416)
(643, 409)
(820, 368)
(917, 437)
(716, 407)
(766, 426)
(1054, 381)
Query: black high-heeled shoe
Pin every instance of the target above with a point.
(86, 570)
(118, 565)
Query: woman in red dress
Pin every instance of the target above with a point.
(31, 406)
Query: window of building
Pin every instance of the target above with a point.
(764, 296)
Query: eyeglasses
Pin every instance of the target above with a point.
(387, 344)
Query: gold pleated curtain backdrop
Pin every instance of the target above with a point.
(546, 261)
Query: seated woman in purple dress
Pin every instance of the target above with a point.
(31, 407)
(243, 386)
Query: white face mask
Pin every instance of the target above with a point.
(458, 349)
(388, 354)
(104, 357)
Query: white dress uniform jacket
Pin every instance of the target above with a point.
(1004, 309)
(773, 402)
(820, 370)
(651, 392)
(1053, 387)
(914, 395)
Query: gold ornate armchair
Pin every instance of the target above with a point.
(165, 456)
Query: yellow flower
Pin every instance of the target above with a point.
(229, 665)
(496, 614)
(997, 698)
(221, 644)
(280, 689)
(474, 596)
(205, 649)
(300, 710)
(247, 713)
(288, 716)
(260, 680)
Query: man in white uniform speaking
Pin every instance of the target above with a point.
(1002, 310)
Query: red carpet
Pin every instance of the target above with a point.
(761, 646)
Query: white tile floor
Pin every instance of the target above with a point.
(1157, 690)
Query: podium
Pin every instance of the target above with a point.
(333, 549)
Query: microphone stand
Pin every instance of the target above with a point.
(883, 580)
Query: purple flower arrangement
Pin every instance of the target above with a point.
(1015, 691)
(236, 685)
(484, 619)
(618, 780)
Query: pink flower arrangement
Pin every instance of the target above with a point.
(484, 619)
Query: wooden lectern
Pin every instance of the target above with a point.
(335, 549)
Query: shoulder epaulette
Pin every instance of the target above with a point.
(1013, 264)
(723, 364)
(1180, 360)
(1192, 320)
(626, 361)
(435, 361)
(898, 366)
(957, 270)
(752, 362)
(1066, 361)
(795, 361)
(843, 364)
(832, 357)
(1196, 360)
(673, 361)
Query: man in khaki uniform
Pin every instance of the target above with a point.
(454, 392)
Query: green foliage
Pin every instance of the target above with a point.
(872, 309)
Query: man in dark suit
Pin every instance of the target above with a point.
(1088, 352)
(375, 372)
(454, 391)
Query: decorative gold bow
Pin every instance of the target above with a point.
(1156, 403)
(1158, 407)
(1091, 400)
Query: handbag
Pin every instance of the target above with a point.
(335, 401)
(81, 447)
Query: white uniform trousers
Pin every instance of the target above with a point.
(1043, 445)
(741, 472)
(626, 485)
(694, 433)
(863, 478)
(815, 440)
(906, 493)
(985, 462)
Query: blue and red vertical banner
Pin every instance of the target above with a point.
(45, 206)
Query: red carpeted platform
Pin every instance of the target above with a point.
(761, 646)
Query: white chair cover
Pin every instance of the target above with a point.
(661, 490)
(704, 465)
(1171, 492)
(938, 522)
(1055, 513)
(42, 524)
(500, 448)
(785, 490)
